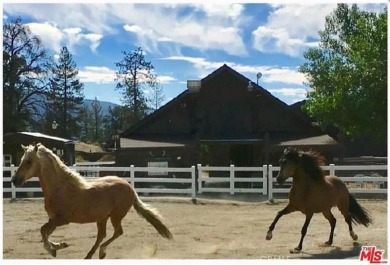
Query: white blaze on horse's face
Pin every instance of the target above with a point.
(29, 166)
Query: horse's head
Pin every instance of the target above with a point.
(288, 164)
(29, 166)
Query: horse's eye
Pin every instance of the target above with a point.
(29, 162)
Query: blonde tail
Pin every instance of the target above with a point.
(153, 217)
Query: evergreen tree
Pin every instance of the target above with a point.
(97, 119)
(134, 75)
(86, 123)
(65, 96)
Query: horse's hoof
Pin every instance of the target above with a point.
(326, 244)
(295, 250)
(64, 245)
(269, 235)
(354, 236)
(53, 252)
(102, 252)
(60, 245)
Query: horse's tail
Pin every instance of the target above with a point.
(359, 215)
(153, 217)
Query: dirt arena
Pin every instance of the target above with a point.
(207, 230)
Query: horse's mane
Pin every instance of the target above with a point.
(311, 162)
(72, 177)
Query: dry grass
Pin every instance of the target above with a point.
(86, 148)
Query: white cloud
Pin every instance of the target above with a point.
(94, 40)
(104, 75)
(133, 28)
(75, 36)
(270, 74)
(49, 33)
(153, 24)
(294, 94)
(53, 37)
(92, 17)
(97, 74)
(277, 40)
(221, 9)
(165, 79)
(289, 28)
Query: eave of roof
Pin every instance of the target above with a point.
(142, 143)
(45, 136)
(311, 141)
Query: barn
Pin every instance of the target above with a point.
(219, 120)
(13, 152)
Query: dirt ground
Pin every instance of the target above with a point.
(210, 229)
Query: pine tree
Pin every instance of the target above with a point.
(97, 118)
(133, 75)
(85, 118)
(66, 95)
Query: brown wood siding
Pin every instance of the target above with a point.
(223, 108)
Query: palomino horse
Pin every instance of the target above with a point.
(313, 192)
(69, 198)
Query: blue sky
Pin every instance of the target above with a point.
(183, 41)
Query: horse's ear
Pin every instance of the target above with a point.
(36, 148)
(24, 147)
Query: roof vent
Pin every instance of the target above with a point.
(193, 85)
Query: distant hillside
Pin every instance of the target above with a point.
(104, 104)
(88, 102)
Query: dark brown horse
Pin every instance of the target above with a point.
(69, 198)
(313, 192)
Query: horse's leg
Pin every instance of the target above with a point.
(303, 233)
(101, 226)
(118, 231)
(332, 221)
(288, 209)
(47, 229)
(347, 217)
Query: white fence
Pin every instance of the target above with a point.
(252, 179)
(259, 180)
(132, 179)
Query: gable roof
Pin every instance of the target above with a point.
(154, 114)
(257, 90)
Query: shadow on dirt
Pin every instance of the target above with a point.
(336, 253)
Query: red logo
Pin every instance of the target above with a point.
(372, 254)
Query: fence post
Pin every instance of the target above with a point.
(132, 180)
(265, 179)
(332, 170)
(270, 182)
(193, 183)
(13, 188)
(231, 179)
(199, 178)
